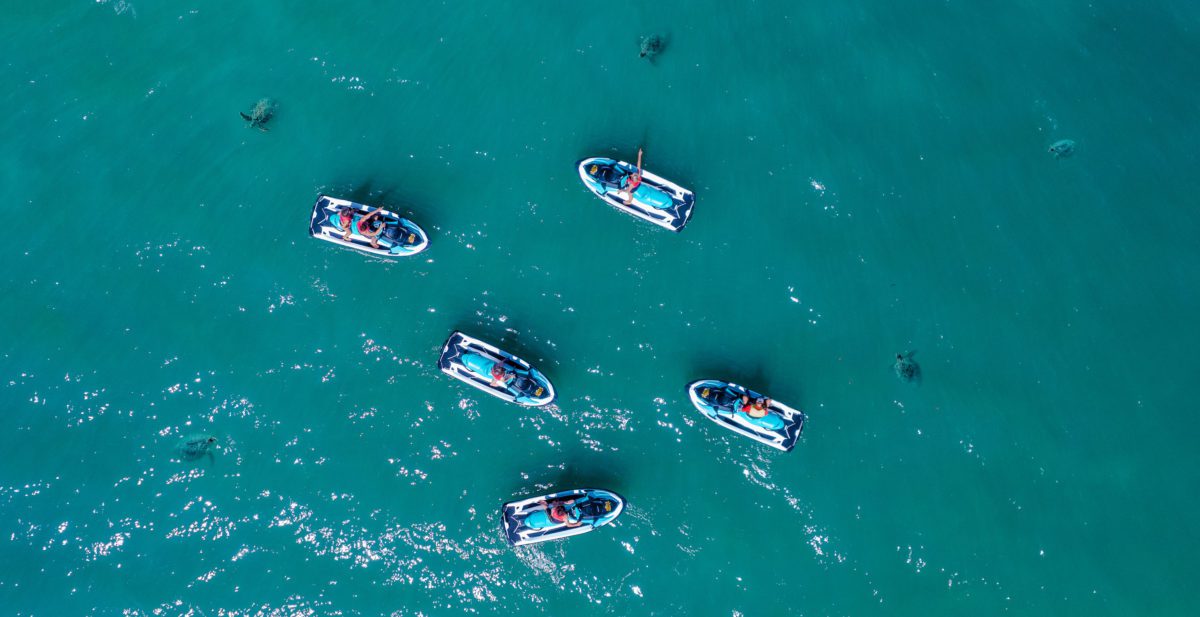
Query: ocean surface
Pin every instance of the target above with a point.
(872, 178)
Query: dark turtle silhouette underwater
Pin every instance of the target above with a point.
(196, 446)
(651, 46)
(1062, 148)
(906, 368)
(262, 113)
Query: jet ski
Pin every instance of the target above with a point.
(721, 402)
(400, 238)
(559, 515)
(655, 199)
(479, 364)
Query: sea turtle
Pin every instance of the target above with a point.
(906, 368)
(1062, 148)
(196, 446)
(651, 46)
(258, 117)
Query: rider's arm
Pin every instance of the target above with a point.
(368, 217)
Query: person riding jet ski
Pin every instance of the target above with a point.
(756, 408)
(633, 180)
(564, 512)
(371, 229)
(345, 218)
(501, 376)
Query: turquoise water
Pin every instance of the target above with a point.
(871, 178)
